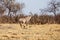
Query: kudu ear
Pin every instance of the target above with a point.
(31, 14)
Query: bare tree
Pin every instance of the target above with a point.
(53, 6)
(12, 5)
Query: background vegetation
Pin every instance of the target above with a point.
(15, 10)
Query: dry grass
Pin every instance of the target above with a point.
(32, 32)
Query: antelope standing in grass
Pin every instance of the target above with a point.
(25, 20)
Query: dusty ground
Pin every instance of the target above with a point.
(30, 32)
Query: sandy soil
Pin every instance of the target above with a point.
(30, 32)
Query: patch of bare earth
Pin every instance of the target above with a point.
(30, 32)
